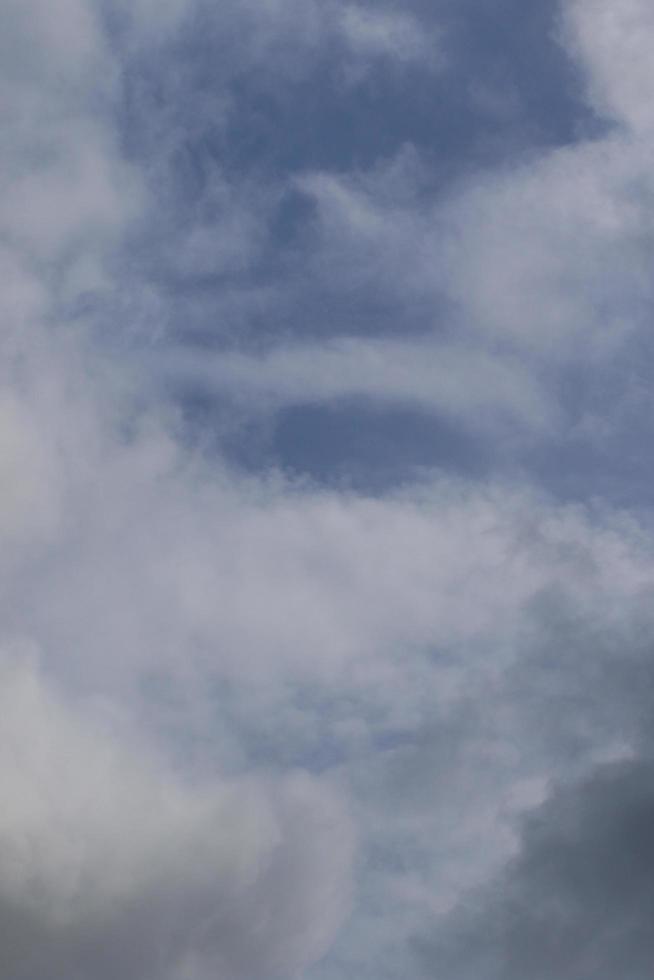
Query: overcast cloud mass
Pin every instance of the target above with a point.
(326, 525)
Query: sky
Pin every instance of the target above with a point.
(326, 528)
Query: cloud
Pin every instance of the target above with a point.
(388, 33)
(264, 30)
(574, 903)
(548, 252)
(111, 863)
(433, 378)
(367, 33)
(242, 673)
(528, 251)
(612, 39)
(67, 186)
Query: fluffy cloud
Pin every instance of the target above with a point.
(111, 863)
(613, 41)
(529, 251)
(67, 187)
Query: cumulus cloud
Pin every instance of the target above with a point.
(67, 186)
(110, 863)
(613, 42)
(550, 252)
(529, 250)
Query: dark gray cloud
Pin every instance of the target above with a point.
(577, 901)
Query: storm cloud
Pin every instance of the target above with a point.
(577, 901)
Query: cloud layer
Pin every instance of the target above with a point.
(326, 550)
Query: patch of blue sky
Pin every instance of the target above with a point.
(191, 111)
(239, 250)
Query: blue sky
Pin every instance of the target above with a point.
(326, 541)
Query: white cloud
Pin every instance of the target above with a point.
(368, 32)
(110, 864)
(550, 255)
(285, 33)
(67, 189)
(458, 381)
(29, 493)
(542, 257)
(613, 40)
(388, 33)
(61, 48)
